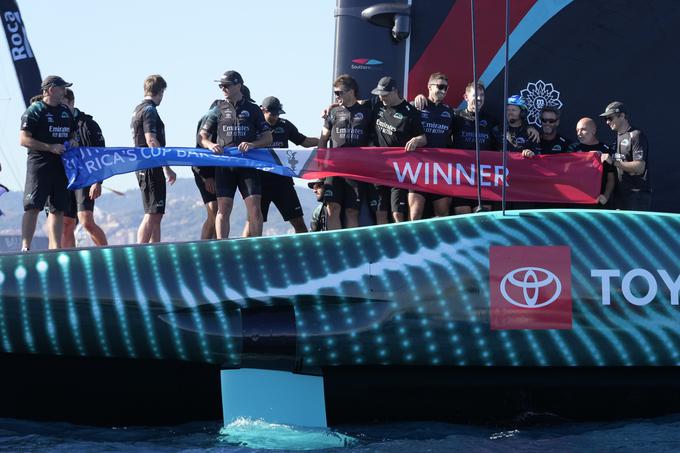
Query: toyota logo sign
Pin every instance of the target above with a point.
(531, 280)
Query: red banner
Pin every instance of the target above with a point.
(569, 177)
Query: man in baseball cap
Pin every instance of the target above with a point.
(54, 81)
(272, 105)
(386, 85)
(634, 190)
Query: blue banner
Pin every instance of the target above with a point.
(85, 166)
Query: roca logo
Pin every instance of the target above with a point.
(19, 47)
(537, 287)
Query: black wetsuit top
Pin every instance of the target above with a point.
(437, 121)
(464, 131)
(350, 126)
(395, 126)
(145, 119)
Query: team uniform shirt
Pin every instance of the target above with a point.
(51, 125)
(318, 222)
(601, 147)
(145, 119)
(283, 131)
(464, 131)
(350, 126)
(555, 146)
(395, 126)
(45, 175)
(518, 138)
(235, 124)
(633, 146)
(437, 122)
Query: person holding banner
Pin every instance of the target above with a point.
(204, 177)
(437, 120)
(148, 131)
(348, 124)
(276, 188)
(45, 126)
(81, 201)
(238, 122)
(397, 124)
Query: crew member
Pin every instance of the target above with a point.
(520, 135)
(631, 159)
(586, 132)
(464, 133)
(204, 177)
(348, 124)
(236, 122)
(276, 188)
(148, 130)
(437, 120)
(45, 126)
(397, 124)
(81, 201)
(320, 214)
(551, 142)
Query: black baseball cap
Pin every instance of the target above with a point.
(54, 81)
(385, 86)
(614, 108)
(272, 105)
(230, 77)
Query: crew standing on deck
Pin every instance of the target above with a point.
(148, 130)
(397, 124)
(45, 126)
(236, 122)
(276, 188)
(631, 159)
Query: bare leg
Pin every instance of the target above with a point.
(150, 229)
(462, 210)
(351, 218)
(224, 206)
(28, 223)
(398, 217)
(442, 207)
(299, 224)
(254, 213)
(416, 205)
(55, 225)
(208, 229)
(333, 220)
(97, 235)
(68, 234)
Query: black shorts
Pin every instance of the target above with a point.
(281, 191)
(392, 199)
(349, 193)
(45, 181)
(206, 196)
(247, 180)
(79, 201)
(431, 197)
(152, 184)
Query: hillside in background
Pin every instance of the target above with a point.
(119, 216)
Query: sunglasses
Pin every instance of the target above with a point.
(339, 92)
(440, 86)
(226, 85)
(548, 120)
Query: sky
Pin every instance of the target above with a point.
(107, 49)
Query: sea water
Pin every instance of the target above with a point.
(243, 435)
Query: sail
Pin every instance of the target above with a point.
(25, 63)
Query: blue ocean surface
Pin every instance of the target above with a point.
(243, 435)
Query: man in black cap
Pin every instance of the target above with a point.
(397, 123)
(148, 130)
(46, 126)
(320, 215)
(348, 124)
(236, 122)
(276, 188)
(631, 159)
